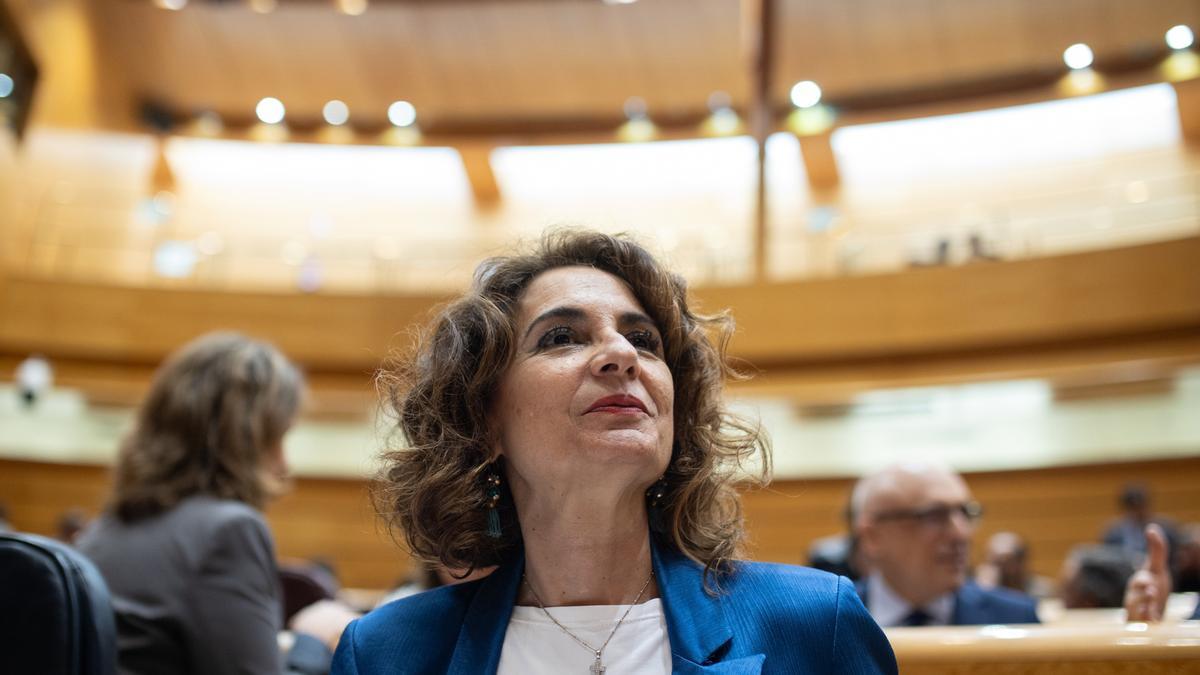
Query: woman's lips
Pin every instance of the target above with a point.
(620, 404)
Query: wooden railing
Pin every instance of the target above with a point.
(809, 339)
(1063, 649)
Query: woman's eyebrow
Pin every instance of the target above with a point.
(636, 318)
(568, 313)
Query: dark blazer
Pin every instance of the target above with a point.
(975, 606)
(767, 619)
(195, 590)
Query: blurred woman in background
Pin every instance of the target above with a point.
(183, 543)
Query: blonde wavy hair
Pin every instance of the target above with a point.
(431, 490)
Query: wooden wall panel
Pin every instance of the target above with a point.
(1054, 508)
(1100, 294)
(329, 518)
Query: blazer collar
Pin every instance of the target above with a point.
(696, 622)
(699, 631)
(482, 634)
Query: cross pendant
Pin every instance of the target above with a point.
(597, 668)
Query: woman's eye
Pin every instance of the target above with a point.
(643, 339)
(562, 335)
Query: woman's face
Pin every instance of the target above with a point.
(587, 401)
(274, 469)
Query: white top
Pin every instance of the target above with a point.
(889, 609)
(533, 645)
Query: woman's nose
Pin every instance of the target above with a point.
(615, 355)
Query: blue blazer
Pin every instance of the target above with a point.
(974, 606)
(767, 618)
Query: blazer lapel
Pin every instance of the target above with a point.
(749, 665)
(699, 631)
(482, 635)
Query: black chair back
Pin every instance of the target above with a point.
(302, 584)
(56, 617)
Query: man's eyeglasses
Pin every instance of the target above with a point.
(935, 517)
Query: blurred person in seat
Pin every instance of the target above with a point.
(1129, 531)
(1007, 566)
(914, 523)
(183, 543)
(1095, 576)
(1188, 560)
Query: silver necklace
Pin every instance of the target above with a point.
(597, 667)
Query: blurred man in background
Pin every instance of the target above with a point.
(1129, 531)
(914, 523)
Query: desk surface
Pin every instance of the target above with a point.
(1055, 643)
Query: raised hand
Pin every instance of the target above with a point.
(1147, 590)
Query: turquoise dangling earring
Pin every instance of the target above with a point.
(655, 498)
(493, 500)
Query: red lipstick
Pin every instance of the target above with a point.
(618, 404)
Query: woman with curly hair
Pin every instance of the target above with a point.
(563, 421)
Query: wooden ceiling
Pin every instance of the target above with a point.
(476, 64)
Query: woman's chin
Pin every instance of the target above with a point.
(625, 445)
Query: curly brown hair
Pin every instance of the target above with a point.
(431, 489)
(215, 406)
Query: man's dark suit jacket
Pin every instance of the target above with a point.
(977, 606)
(767, 619)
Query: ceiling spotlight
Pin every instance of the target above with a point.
(635, 108)
(173, 5)
(806, 94)
(270, 110)
(352, 7)
(402, 114)
(718, 100)
(723, 121)
(6, 85)
(336, 112)
(619, 2)
(262, 6)
(175, 259)
(1180, 37)
(637, 130)
(1078, 56)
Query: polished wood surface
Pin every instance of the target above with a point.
(1054, 509)
(1048, 650)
